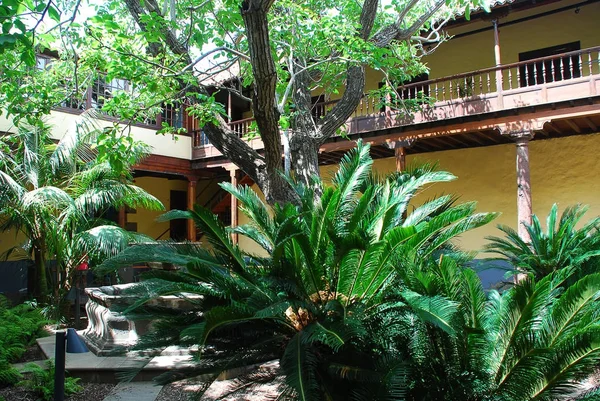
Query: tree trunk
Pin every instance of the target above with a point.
(305, 158)
(40, 290)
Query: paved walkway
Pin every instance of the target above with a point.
(134, 391)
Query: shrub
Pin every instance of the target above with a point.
(19, 327)
(41, 381)
(560, 246)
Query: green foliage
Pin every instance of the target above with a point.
(19, 327)
(41, 381)
(108, 41)
(560, 246)
(56, 195)
(324, 293)
(359, 299)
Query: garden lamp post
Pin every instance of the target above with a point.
(66, 341)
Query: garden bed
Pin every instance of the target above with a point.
(91, 392)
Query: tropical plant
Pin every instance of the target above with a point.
(56, 195)
(316, 298)
(560, 246)
(40, 380)
(19, 327)
(537, 341)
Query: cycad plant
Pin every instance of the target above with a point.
(539, 340)
(318, 295)
(560, 246)
(55, 193)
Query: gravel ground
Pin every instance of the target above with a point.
(174, 392)
(91, 392)
(230, 390)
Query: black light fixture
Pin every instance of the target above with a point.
(66, 341)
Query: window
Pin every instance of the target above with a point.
(42, 63)
(172, 114)
(102, 90)
(556, 69)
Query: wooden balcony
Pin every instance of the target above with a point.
(553, 81)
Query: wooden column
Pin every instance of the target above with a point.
(498, 63)
(400, 153)
(229, 107)
(524, 205)
(388, 110)
(191, 199)
(234, 205)
(400, 147)
(122, 217)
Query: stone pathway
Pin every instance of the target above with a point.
(134, 391)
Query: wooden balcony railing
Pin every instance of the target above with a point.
(541, 80)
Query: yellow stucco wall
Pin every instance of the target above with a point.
(8, 240)
(563, 171)
(477, 51)
(146, 219)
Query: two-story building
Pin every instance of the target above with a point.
(514, 112)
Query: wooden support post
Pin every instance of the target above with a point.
(191, 199)
(400, 147)
(498, 63)
(229, 108)
(524, 205)
(400, 153)
(388, 110)
(122, 217)
(234, 205)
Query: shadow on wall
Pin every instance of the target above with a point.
(13, 279)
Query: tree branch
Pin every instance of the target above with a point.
(220, 136)
(355, 80)
(394, 31)
(215, 50)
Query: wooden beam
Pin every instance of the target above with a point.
(575, 127)
(475, 137)
(438, 143)
(458, 141)
(122, 217)
(590, 124)
(191, 199)
(234, 206)
(400, 154)
(552, 127)
(171, 165)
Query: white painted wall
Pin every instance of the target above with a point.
(161, 145)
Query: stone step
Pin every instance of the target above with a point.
(134, 391)
(109, 369)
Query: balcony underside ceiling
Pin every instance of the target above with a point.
(488, 137)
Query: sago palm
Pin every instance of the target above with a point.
(560, 246)
(317, 294)
(56, 193)
(537, 341)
